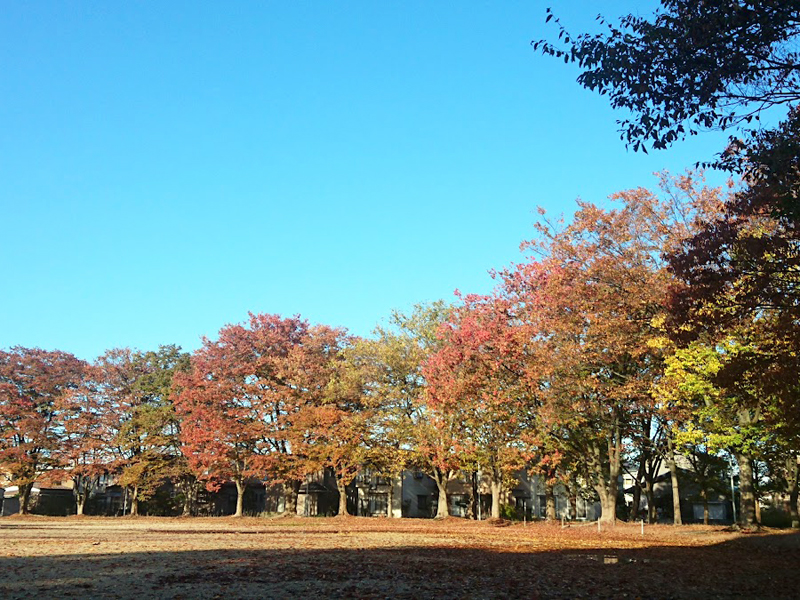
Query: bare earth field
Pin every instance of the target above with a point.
(381, 558)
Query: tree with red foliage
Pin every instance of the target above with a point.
(475, 376)
(84, 452)
(223, 429)
(243, 396)
(32, 383)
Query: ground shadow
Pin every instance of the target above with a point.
(759, 566)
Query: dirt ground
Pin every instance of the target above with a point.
(382, 558)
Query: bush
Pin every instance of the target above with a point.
(511, 513)
(775, 517)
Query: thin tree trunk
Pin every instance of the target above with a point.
(747, 497)
(652, 514)
(573, 507)
(135, 502)
(676, 493)
(25, 498)
(550, 501)
(239, 498)
(704, 496)
(637, 490)
(476, 496)
(390, 498)
(793, 476)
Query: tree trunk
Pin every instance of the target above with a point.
(676, 493)
(607, 476)
(747, 497)
(442, 508)
(550, 501)
(573, 507)
(637, 502)
(342, 497)
(793, 476)
(704, 496)
(189, 497)
(291, 490)
(476, 496)
(25, 498)
(135, 501)
(608, 504)
(652, 514)
(390, 497)
(496, 489)
(80, 502)
(239, 498)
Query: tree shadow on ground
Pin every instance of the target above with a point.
(759, 566)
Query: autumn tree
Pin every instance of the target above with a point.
(153, 427)
(335, 429)
(223, 430)
(408, 433)
(32, 384)
(84, 453)
(725, 412)
(739, 287)
(694, 65)
(282, 364)
(590, 295)
(475, 375)
(141, 424)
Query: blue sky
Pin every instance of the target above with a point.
(166, 167)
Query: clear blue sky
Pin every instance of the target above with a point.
(166, 167)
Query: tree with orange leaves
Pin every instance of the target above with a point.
(590, 297)
(475, 379)
(32, 384)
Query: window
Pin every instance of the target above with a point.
(378, 504)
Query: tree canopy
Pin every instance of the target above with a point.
(693, 65)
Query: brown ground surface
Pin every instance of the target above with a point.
(382, 558)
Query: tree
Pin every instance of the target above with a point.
(282, 362)
(141, 424)
(696, 64)
(83, 453)
(590, 300)
(32, 383)
(334, 430)
(409, 434)
(153, 428)
(476, 375)
(223, 430)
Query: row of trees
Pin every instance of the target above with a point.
(668, 324)
(663, 325)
